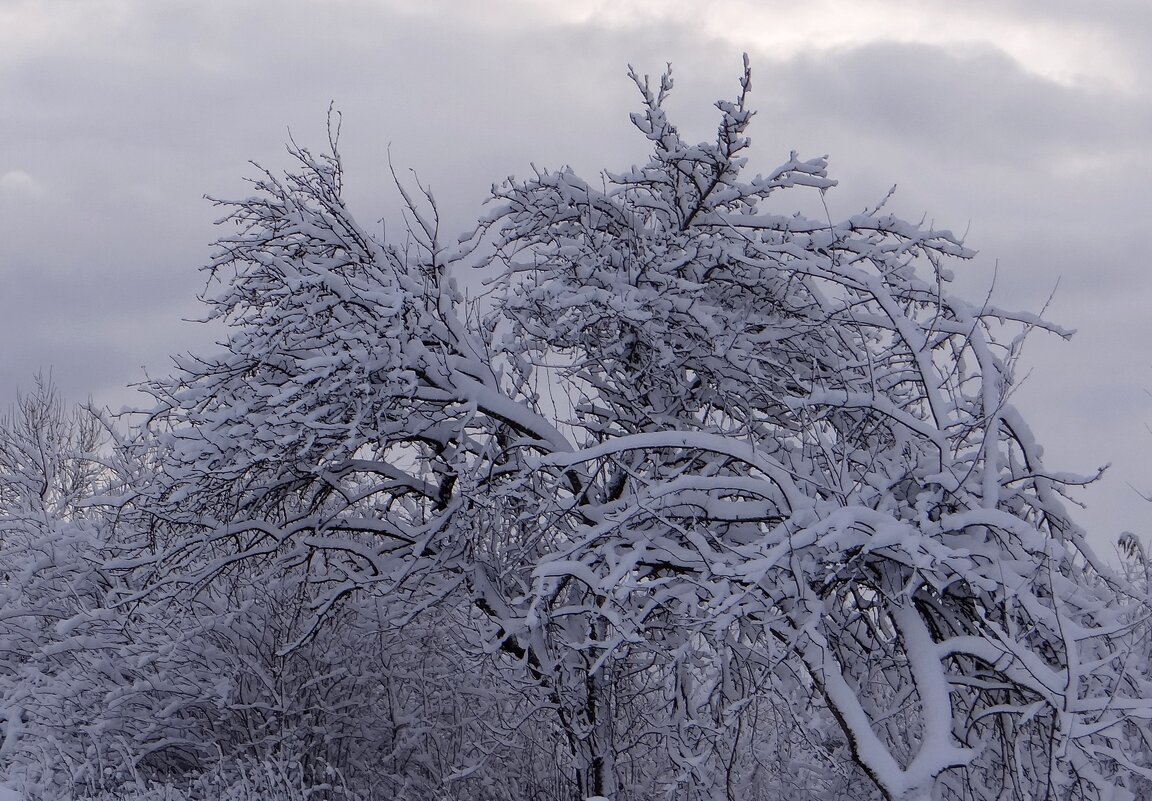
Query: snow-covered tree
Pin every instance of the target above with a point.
(49, 568)
(54, 626)
(695, 465)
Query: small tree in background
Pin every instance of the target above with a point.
(716, 502)
(61, 642)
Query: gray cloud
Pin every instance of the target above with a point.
(116, 126)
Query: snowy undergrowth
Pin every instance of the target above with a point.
(269, 780)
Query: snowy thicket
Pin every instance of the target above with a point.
(704, 500)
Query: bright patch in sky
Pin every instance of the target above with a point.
(1070, 47)
(1066, 50)
(17, 183)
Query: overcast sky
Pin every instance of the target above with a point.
(1025, 125)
